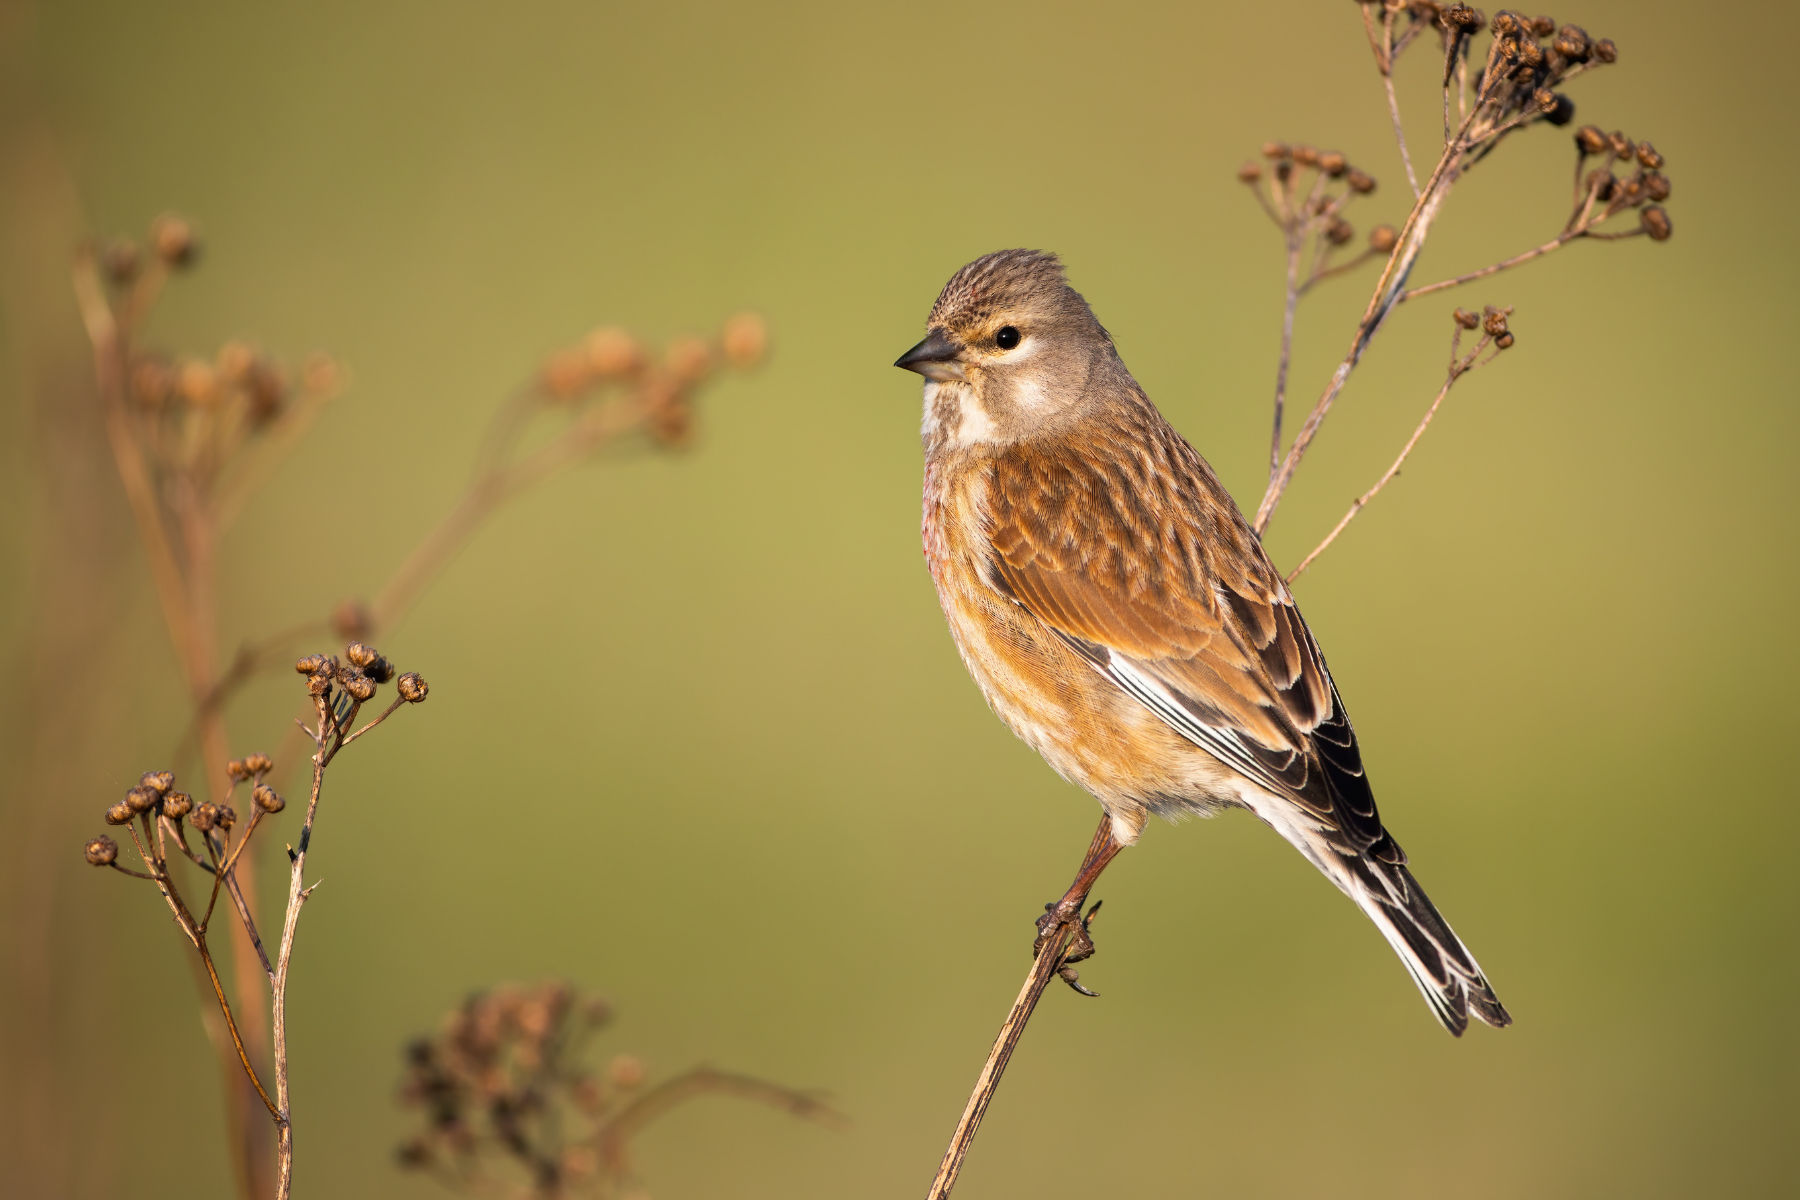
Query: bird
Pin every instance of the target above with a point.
(1121, 617)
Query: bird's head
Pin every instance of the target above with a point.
(1009, 352)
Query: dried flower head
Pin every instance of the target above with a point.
(1360, 181)
(356, 683)
(360, 654)
(1339, 231)
(174, 241)
(1383, 239)
(745, 340)
(1656, 186)
(311, 664)
(177, 805)
(1543, 26)
(1655, 222)
(614, 354)
(1648, 158)
(119, 814)
(1605, 51)
(1306, 156)
(380, 670)
(205, 817)
(157, 781)
(1572, 43)
(225, 818)
(142, 799)
(102, 851)
(1333, 163)
(1591, 139)
(268, 799)
(413, 688)
(1250, 171)
(237, 770)
(1276, 150)
(1466, 319)
(259, 764)
(1493, 321)
(1505, 340)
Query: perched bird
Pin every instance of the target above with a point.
(1121, 617)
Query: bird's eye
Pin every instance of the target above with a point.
(1007, 338)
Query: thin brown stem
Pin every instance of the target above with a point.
(1458, 368)
(1060, 930)
(1555, 243)
(1287, 345)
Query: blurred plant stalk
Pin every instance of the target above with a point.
(193, 438)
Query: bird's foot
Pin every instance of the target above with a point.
(1058, 914)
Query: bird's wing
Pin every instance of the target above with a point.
(1148, 570)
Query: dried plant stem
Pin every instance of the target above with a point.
(616, 1134)
(1287, 345)
(1555, 243)
(1384, 60)
(1044, 968)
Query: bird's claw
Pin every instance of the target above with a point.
(1081, 946)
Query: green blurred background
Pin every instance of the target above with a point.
(697, 737)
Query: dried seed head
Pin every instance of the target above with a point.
(259, 764)
(1656, 223)
(226, 817)
(1530, 54)
(626, 1071)
(268, 799)
(142, 799)
(119, 814)
(237, 769)
(197, 383)
(360, 654)
(1572, 43)
(1504, 341)
(319, 682)
(1545, 99)
(413, 689)
(744, 340)
(1605, 51)
(1591, 139)
(1250, 172)
(1600, 183)
(1333, 163)
(1360, 181)
(1561, 110)
(1493, 321)
(120, 260)
(1461, 16)
(381, 670)
(205, 817)
(1647, 157)
(1543, 26)
(1656, 186)
(1276, 150)
(613, 353)
(310, 664)
(351, 619)
(357, 684)
(157, 781)
(1383, 239)
(177, 805)
(1466, 319)
(174, 241)
(1621, 145)
(1339, 231)
(102, 851)
(1306, 156)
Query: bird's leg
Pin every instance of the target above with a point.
(1067, 911)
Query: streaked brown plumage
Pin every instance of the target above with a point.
(1120, 615)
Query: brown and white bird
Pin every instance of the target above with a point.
(1121, 617)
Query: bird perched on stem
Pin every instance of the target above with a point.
(1121, 617)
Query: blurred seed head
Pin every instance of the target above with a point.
(1605, 51)
(1466, 319)
(1656, 223)
(1306, 156)
(177, 805)
(1560, 111)
(268, 799)
(1360, 181)
(1656, 186)
(1250, 171)
(1572, 43)
(101, 851)
(413, 688)
(121, 261)
(1333, 163)
(119, 814)
(626, 1071)
(745, 340)
(152, 382)
(197, 383)
(1601, 184)
(1339, 231)
(351, 619)
(1543, 26)
(1276, 150)
(237, 770)
(1591, 139)
(157, 781)
(566, 374)
(206, 817)
(614, 354)
(142, 799)
(1383, 239)
(174, 241)
(259, 764)
(1505, 340)
(1647, 157)
(1493, 321)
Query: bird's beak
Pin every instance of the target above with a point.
(934, 358)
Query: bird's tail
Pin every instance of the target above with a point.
(1439, 963)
